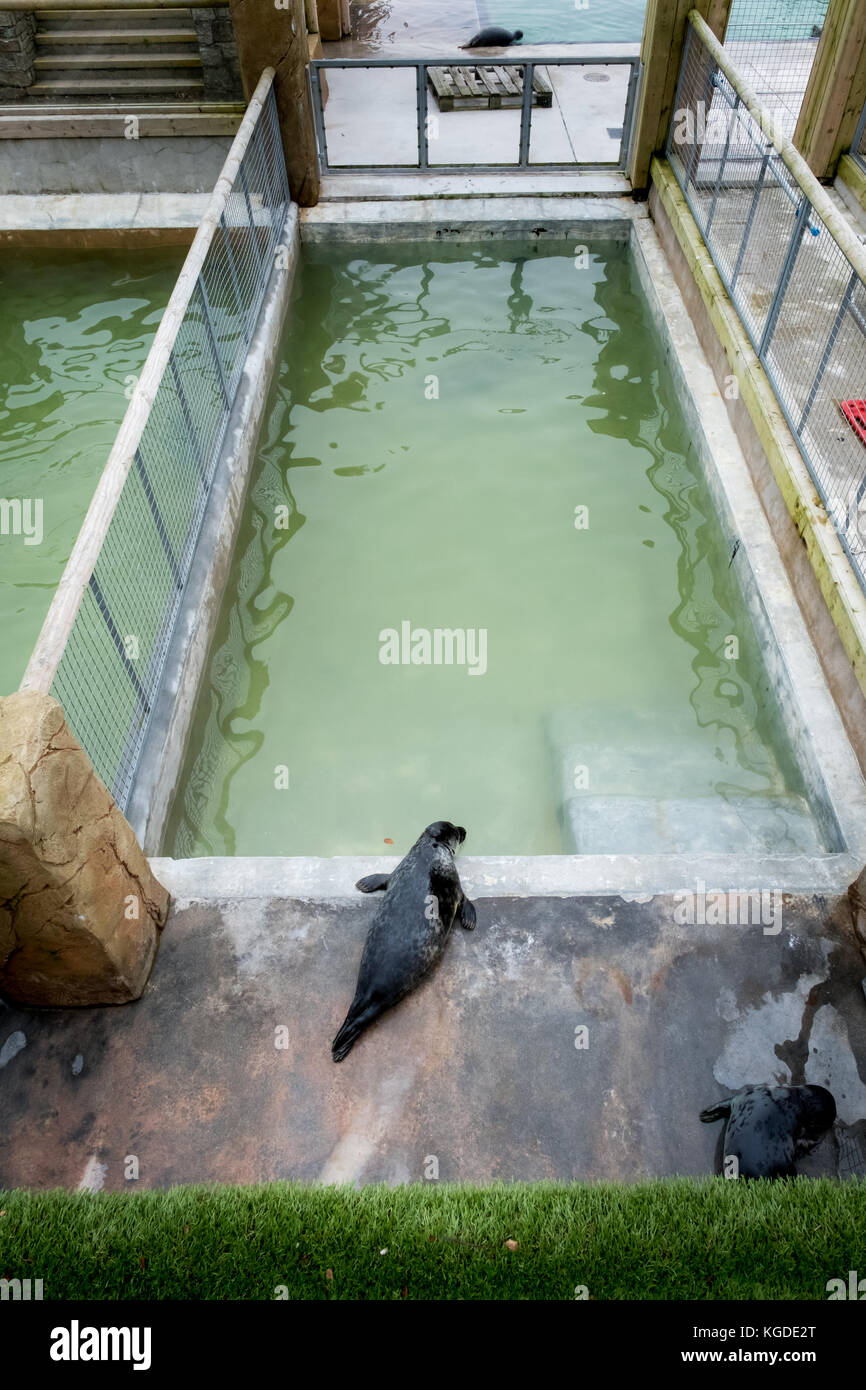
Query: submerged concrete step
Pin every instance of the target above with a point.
(627, 783)
(696, 825)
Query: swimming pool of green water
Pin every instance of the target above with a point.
(477, 453)
(76, 329)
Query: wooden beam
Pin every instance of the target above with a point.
(330, 14)
(277, 38)
(836, 93)
(661, 55)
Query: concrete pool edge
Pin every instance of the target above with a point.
(811, 719)
(93, 221)
(308, 878)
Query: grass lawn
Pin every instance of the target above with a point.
(676, 1239)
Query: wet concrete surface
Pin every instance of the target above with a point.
(222, 1071)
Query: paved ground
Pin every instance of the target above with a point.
(478, 1069)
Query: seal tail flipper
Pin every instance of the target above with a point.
(373, 883)
(720, 1111)
(353, 1026)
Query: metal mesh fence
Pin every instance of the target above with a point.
(773, 42)
(109, 674)
(801, 302)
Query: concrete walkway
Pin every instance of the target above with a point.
(478, 1069)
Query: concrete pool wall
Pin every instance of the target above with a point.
(827, 762)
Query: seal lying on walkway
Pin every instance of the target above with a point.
(766, 1126)
(494, 37)
(423, 899)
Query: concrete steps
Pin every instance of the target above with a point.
(690, 825)
(645, 796)
(87, 55)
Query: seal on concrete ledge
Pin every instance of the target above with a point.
(767, 1126)
(494, 37)
(423, 899)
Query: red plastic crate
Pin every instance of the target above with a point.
(855, 414)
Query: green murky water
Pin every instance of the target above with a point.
(76, 328)
(437, 420)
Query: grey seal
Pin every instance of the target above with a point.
(423, 899)
(494, 37)
(766, 1126)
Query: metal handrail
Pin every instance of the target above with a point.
(838, 475)
(68, 596)
(421, 66)
(836, 222)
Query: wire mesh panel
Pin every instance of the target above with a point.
(110, 671)
(774, 42)
(801, 301)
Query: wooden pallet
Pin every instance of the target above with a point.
(485, 88)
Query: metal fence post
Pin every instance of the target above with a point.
(857, 142)
(678, 94)
(202, 292)
(318, 117)
(120, 647)
(232, 271)
(634, 79)
(526, 114)
(753, 208)
(785, 276)
(159, 524)
(194, 440)
(421, 94)
(732, 116)
(844, 305)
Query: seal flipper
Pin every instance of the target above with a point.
(720, 1111)
(373, 883)
(353, 1026)
(466, 913)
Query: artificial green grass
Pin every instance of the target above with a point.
(675, 1239)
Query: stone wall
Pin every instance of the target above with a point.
(219, 54)
(17, 51)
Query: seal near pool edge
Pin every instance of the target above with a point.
(423, 899)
